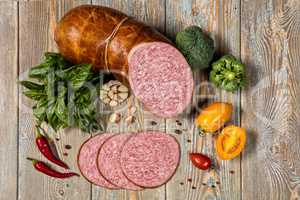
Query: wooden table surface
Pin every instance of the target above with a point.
(264, 34)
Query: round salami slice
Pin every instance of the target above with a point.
(87, 160)
(109, 162)
(150, 159)
(160, 78)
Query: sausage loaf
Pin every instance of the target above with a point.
(159, 75)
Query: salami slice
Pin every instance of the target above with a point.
(149, 159)
(109, 162)
(160, 78)
(87, 160)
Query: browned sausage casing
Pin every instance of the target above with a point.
(82, 36)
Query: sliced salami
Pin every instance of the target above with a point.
(150, 159)
(109, 162)
(160, 78)
(87, 160)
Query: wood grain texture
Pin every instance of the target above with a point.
(153, 13)
(221, 20)
(37, 23)
(8, 99)
(270, 49)
(225, 26)
(265, 34)
(33, 32)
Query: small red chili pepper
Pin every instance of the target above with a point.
(44, 147)
(45, 169)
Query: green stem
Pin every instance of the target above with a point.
(34, 161)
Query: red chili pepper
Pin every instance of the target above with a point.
(44, 147)
(45, 169)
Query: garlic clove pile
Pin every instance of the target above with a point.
(113, 93)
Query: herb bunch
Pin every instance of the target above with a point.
(65, 95)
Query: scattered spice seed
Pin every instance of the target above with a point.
(189, 141)
(65, 154)
(203, 183)
(178, 123)
(201, 134)
(218, 183)
(57, 139)
(193, 187)
(67, 146)
(189, 180)
(178, 131)
(153, 123)
(213, 186)
(181, 183)
(67, 185)
(231, 172)
(61, 192)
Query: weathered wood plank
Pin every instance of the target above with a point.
(270, 48)
(9, 99)
(37, 23)
(32, 43)
(226, 29)
(153, 13)
(221, 20)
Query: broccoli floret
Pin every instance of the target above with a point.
(196, 46)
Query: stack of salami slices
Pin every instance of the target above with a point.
(132, 161)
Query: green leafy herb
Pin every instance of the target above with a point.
(196, 46)
(65, 95)
(228, 73)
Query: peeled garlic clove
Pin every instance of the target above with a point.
(113, 103)
(105, 87)
(106, 100)
(115, 91)
(103, 94)
(123, 88)
(130, 119)
(123, 96)
(114, 82)
(110, 94)
(115, 97)
(132, 110)
(114, 88)
(104, 91)
(115, 118)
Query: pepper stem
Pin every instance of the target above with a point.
(39, 129)
(34, 161)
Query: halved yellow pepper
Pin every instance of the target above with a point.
(230, 142)
(214, 116)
